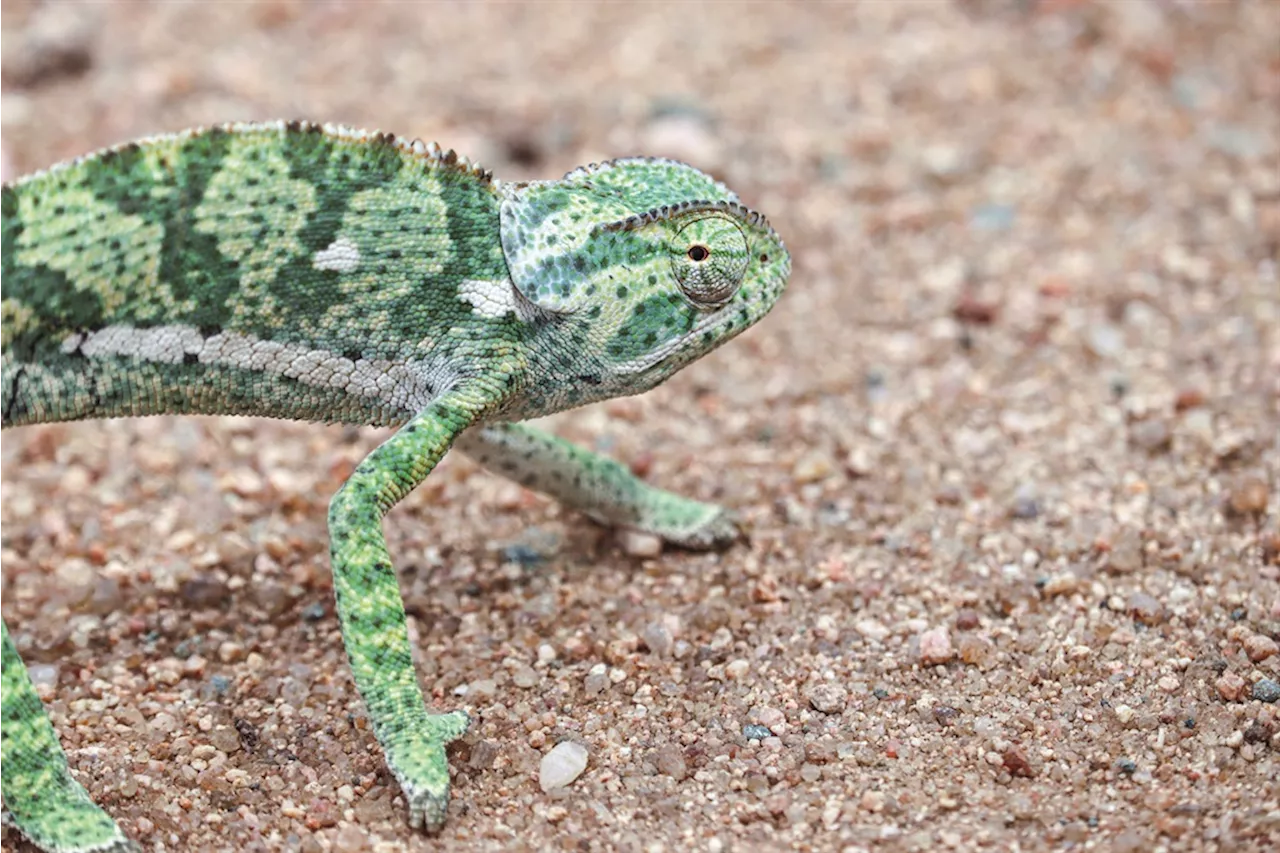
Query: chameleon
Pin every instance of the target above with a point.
(321, 273)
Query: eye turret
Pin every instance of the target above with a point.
(709, 258)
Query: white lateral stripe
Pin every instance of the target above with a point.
(164, 344)
(407, 385)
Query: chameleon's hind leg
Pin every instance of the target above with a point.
(597, 486)
(41, 798)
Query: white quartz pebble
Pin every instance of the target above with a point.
(564, 763)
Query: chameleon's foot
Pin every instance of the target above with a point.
(70, 824)
(419, 764)
(711, 529)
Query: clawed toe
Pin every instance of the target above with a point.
(719, 531)
(427, 811)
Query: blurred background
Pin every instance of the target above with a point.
(1009, 445)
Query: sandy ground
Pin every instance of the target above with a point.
(1008, 447)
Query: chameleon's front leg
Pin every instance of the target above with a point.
(597, 486)
(372, 612)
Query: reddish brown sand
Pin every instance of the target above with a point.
(1008, 447)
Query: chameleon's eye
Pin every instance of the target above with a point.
(709, 258)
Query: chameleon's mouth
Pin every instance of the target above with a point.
(711, 322)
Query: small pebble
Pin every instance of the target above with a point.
(944, 162)
(1259, 647)
(225, 739)
(637, 544)
(106, 597)
(871, 629)
(755, 732)
(164, 723)
(945, 714)
(970, 309)
(269, 595)
(230, 652)
(812, 467)
(1145, 609)
(313, 612)
(535, 545)
(658, 638)
(1188, 398)
(596, 682)
(483, 754)
(481, 689)
(935, 646)
(1063, 584)
(1152, 435)
(765, 589)
(669, 760)
(350, 839)
(1231, 687)
(1266, 690)
(1025, 505)
(828, 698)
(1258, 732)
(1105, 340)
(1015, 761)
(525, 677)
(1249, 497)
(563, 764)
(203, 591)
(1126, 553)
(975, 650)
(218, 685)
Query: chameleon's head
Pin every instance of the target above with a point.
(646, 264)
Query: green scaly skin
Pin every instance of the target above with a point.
(327, 274)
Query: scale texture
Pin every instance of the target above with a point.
(320, 273)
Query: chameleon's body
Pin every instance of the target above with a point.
(320, 273)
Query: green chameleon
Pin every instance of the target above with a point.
(319, 273)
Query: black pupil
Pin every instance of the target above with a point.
(699, 253)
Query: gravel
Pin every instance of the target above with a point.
(1007, 449)
(1266, 690)
(564, 763)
